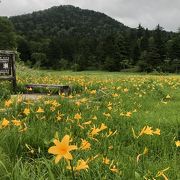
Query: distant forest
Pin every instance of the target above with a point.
(67, 37)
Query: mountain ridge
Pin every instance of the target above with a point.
(68, 18)
(68, 37)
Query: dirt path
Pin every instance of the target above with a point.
(33, 96)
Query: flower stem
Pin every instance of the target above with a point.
(73, 176)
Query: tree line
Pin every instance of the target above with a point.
(86, 40)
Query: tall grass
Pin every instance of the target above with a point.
(121, 102)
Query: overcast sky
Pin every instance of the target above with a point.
(130, 12)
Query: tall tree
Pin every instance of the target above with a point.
(7, 35)
(140, 31)
(23, 47)
(159, 42)
(150, 60)
(144, 40)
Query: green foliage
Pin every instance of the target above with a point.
(93, 41)
(65, 20)
(64, 64)
(23, 48)
(75, 67)
(38, 59)
(5, 91)
(152, 101)
(7, 35)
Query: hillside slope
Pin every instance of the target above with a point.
(67, 37)
(67, 20)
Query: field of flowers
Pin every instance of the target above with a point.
(112, 126)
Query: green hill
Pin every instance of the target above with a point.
(68, 20)
(67, 37)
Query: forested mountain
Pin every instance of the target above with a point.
(65, 20)
(67, 37)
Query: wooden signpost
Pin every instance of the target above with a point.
(7, 67)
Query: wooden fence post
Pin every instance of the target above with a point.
(7, 67)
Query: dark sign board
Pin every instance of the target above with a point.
(7, 66)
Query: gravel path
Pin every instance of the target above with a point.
(33, 96)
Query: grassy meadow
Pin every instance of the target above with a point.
(116, 126)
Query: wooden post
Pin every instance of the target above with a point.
(7, 67)
(14, 72)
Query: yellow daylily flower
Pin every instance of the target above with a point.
(40, 110)
(8, 103)
(77, 116)
(177, 143)
(85, 145)
(4, 123)
(26, 111)
(16, 122)
(81, 165)
(62, 149)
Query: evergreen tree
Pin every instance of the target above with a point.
(150, 60)
(122, 51)
(176, 47)
(145, 40)
(7, 35)
(59, 38)
(54, 54)
(140, 31)
(136, 53)
(23, 47)
(159, 42)
(112, 56)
